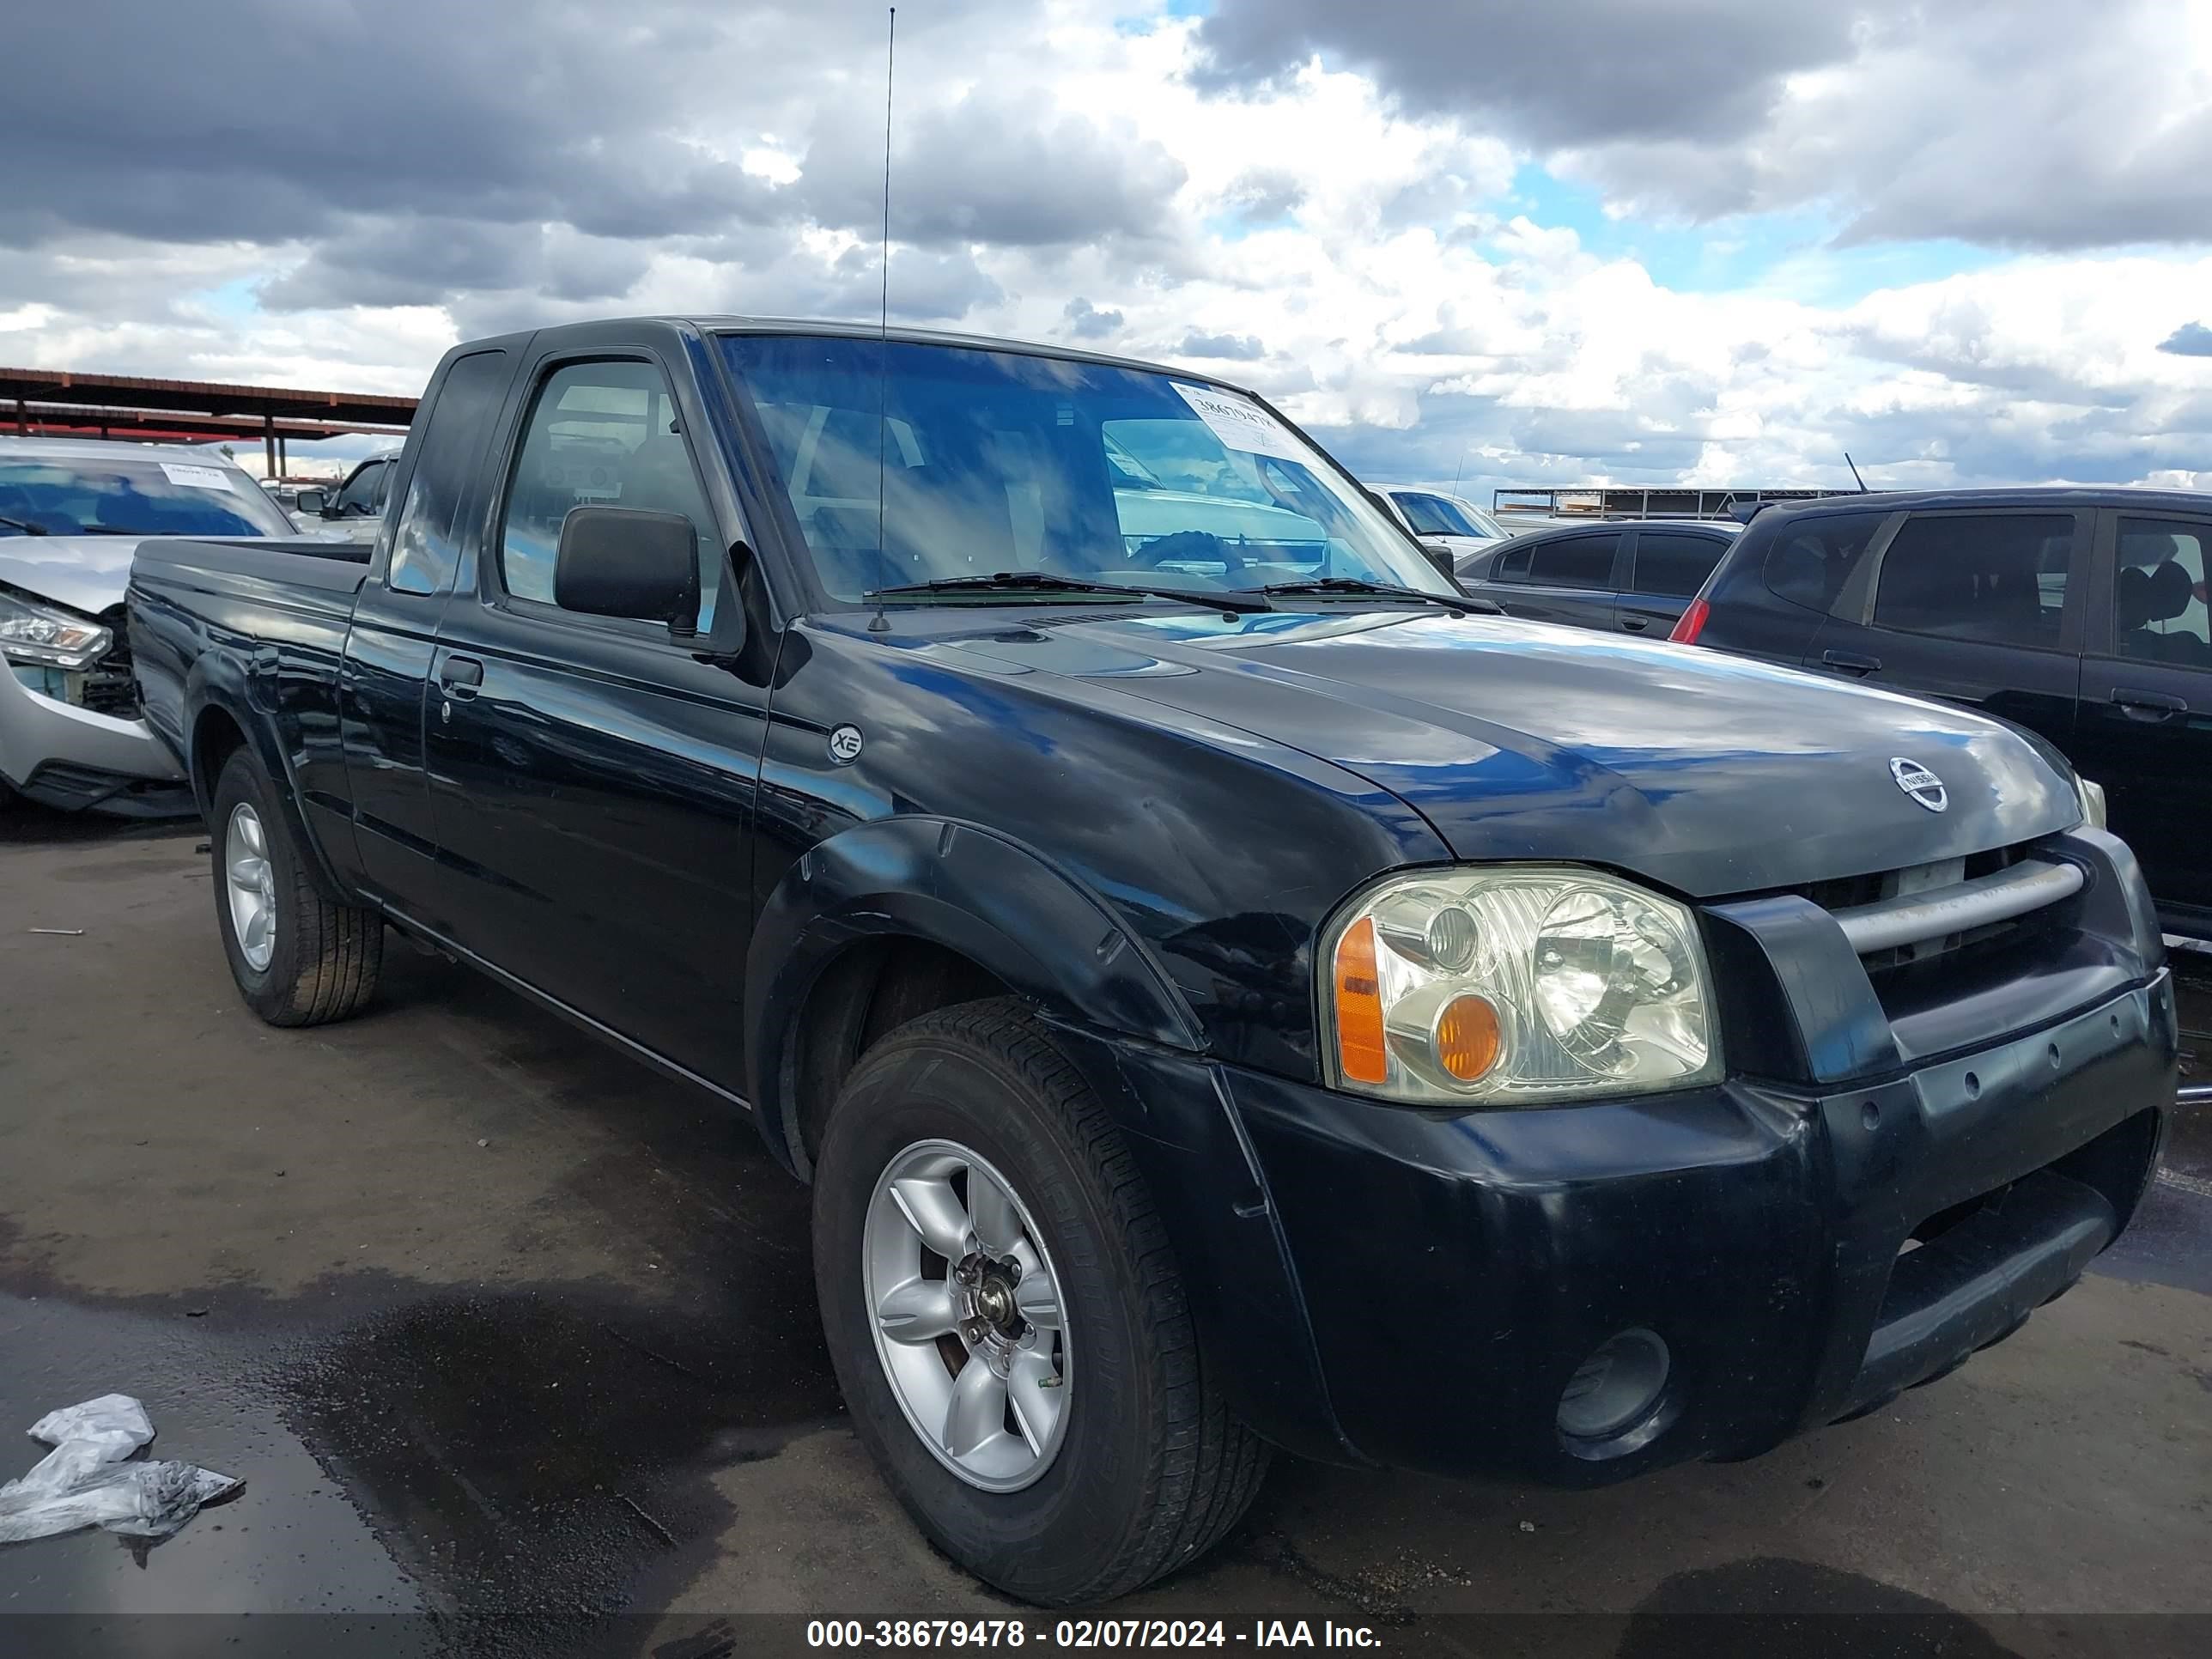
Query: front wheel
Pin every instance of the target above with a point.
(1007, 1321)
(299, 956)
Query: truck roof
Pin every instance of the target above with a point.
(730, 324)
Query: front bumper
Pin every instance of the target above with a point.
(1903, 1164)
(1881, 1188)
(1456, 1273)
(75, 759)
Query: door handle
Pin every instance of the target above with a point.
(2148, 705)
(1851, 662)
(459, 676)
(1636, 624)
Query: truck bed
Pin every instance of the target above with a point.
(327, 567)
(269, 618)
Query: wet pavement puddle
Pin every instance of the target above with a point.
(521, 1465)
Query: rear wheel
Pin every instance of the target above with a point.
(299, 956)
(1008, 1319)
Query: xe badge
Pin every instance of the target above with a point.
(1920, 784)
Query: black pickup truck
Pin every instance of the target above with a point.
(1226, 991)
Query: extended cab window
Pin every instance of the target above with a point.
(423, 548)
(2159, 592)
(1999, 577)
(1810, 560)
(1674, 563)
(601, 435)
(1574, 560)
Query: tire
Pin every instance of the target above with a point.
(1150, 1469)
(324, 958)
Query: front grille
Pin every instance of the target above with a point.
(1848, 892)
(1859, 901)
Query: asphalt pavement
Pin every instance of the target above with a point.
(514, 1344)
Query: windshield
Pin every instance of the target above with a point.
(1485, 525)
(996, 461)
(1442, 515)
(135, 494)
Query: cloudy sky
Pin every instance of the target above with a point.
(1721, 241)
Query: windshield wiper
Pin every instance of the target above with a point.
(25, 525)
(1385, 589)
(1040, 581)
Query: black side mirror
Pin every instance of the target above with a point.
(1441, 557)
(628, 562)
(309, 501)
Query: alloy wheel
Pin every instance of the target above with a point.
(251, 879)
(967, 1314)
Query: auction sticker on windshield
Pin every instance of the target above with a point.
(198, 477)
(1241, 424)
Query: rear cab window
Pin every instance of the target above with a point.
(424, 546)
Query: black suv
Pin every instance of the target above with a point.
(1634, 576)
(2077, 613)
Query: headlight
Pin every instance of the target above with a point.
(1515, 986)
(2093, 801)
(47, 638)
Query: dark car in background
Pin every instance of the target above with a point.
(1634, 576)
(2079, 614)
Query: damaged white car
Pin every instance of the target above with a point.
(71, 514)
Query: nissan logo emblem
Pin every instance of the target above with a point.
(1920, 784)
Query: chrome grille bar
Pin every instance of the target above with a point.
(1909, 919)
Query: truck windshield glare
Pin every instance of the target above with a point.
(996, 461)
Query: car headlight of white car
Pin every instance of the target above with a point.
(43, 637)
(1514, 985)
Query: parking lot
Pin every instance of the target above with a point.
(503, 1330)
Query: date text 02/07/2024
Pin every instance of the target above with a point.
(1086, 1633)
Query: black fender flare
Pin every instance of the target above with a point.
(218, 683)
(996, 901)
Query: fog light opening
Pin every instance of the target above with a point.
(1616, 1388)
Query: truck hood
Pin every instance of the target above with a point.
(84, 573)
(1706, 774)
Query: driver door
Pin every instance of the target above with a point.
(594, 778)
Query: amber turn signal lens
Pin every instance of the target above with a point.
(1360, 1051)
(1467, 1040)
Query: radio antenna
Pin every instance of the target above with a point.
(1854, 466)
(879, 623)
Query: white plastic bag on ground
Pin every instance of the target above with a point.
(88, 1480)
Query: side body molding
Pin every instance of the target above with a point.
(995, 900)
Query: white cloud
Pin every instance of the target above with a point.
(1362, 255)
